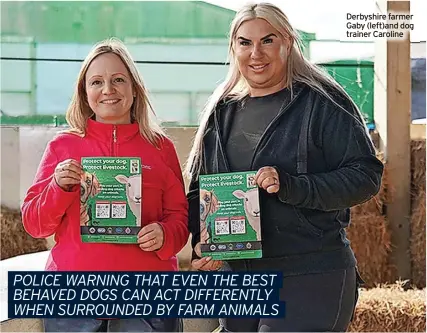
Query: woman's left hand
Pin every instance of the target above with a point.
(151, 237)
(268, 179)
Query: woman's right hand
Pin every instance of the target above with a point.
(205, 263)
(68, 174)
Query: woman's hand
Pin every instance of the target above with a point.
(205, 263)
(268, 179)
(151, 237)
(68, 174)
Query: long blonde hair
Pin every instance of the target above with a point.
(299, 69)
(79, 112)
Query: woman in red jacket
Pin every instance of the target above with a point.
(109, 115)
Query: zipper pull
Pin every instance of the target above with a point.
(114, 135)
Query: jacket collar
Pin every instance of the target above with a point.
(107, 132)
(225, 111)
(229, 106)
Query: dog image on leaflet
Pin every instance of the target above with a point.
(89, 187)
(209, 205)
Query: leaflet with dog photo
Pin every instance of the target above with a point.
(110, 199)
(230, 216)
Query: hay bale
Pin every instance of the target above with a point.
(390, 309)
(418, 212)
(371, 242)
(370, 238)
(184, 256)
(14, 239)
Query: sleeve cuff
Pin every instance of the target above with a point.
(61, 198)
(283, 192)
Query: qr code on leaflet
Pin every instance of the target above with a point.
(250, 180)
(222, 227)
(238, 226)
(119, 211)
(102, 210)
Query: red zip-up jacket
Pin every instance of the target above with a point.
(47, 209)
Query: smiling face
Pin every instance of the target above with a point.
(109, 89)
(261, 53)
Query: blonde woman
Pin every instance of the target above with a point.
(281, 116)
(109, 115)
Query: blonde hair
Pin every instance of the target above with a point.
(79, 112)
(299, 69)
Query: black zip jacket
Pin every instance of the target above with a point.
(326, 164)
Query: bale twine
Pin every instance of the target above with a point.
(390, 309)
(418, 212)
(14, 239)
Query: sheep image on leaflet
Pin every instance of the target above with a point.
(252, 210)
(133, 193)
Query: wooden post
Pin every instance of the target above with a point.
(392, 105)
